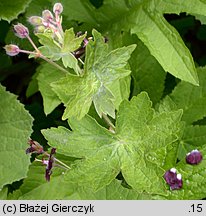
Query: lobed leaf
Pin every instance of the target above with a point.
(138, 148)
(102, 68)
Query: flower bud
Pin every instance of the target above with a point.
(58, 8)
(12, 50)
(173, 179)
(21, 31)
(194, 157)
(47, 15)
(35, 147)
(39, 29)
(35, 20)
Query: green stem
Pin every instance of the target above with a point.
(62, 163)
(33, 44)
(53, 63)
(108, 121)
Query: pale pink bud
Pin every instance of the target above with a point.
(12, 50)
(21, 31)
(47, 15)
(58, 8)
(35, 20)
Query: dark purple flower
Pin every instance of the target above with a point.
(50, 164)
(35, 147)
(173, 179)
(194, 157)
(21, 31)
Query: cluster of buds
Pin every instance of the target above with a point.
(51, 22)
(173, 179)
(50, 162)
(48, 21)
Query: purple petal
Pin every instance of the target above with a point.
(194, 157)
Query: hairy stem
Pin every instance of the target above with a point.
(108, 121)
(53, 63)
(62, 163)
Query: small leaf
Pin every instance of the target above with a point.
(71, 42)
(16, 128)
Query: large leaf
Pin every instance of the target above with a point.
(101, 70)
(139, 147)
(9, 10)
(16, 128)
(191, 99)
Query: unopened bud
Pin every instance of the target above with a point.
(35, 147)
(58, 8)
(21, 31)
(39, 29)
(12, 50)
(194, 157)
(47, 15)
(35, 20)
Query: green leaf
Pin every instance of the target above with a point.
(16, 128)
(46, 75)
(71, 42)
(194, 137)
(165, 44)
(35, 186)
(102, 68)
(114, 191)
(191, 99)
(55, 50)
(138, 148)
(3, 193)
(9, 10)
(147, 73)
(145, 18)
(33, 86)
